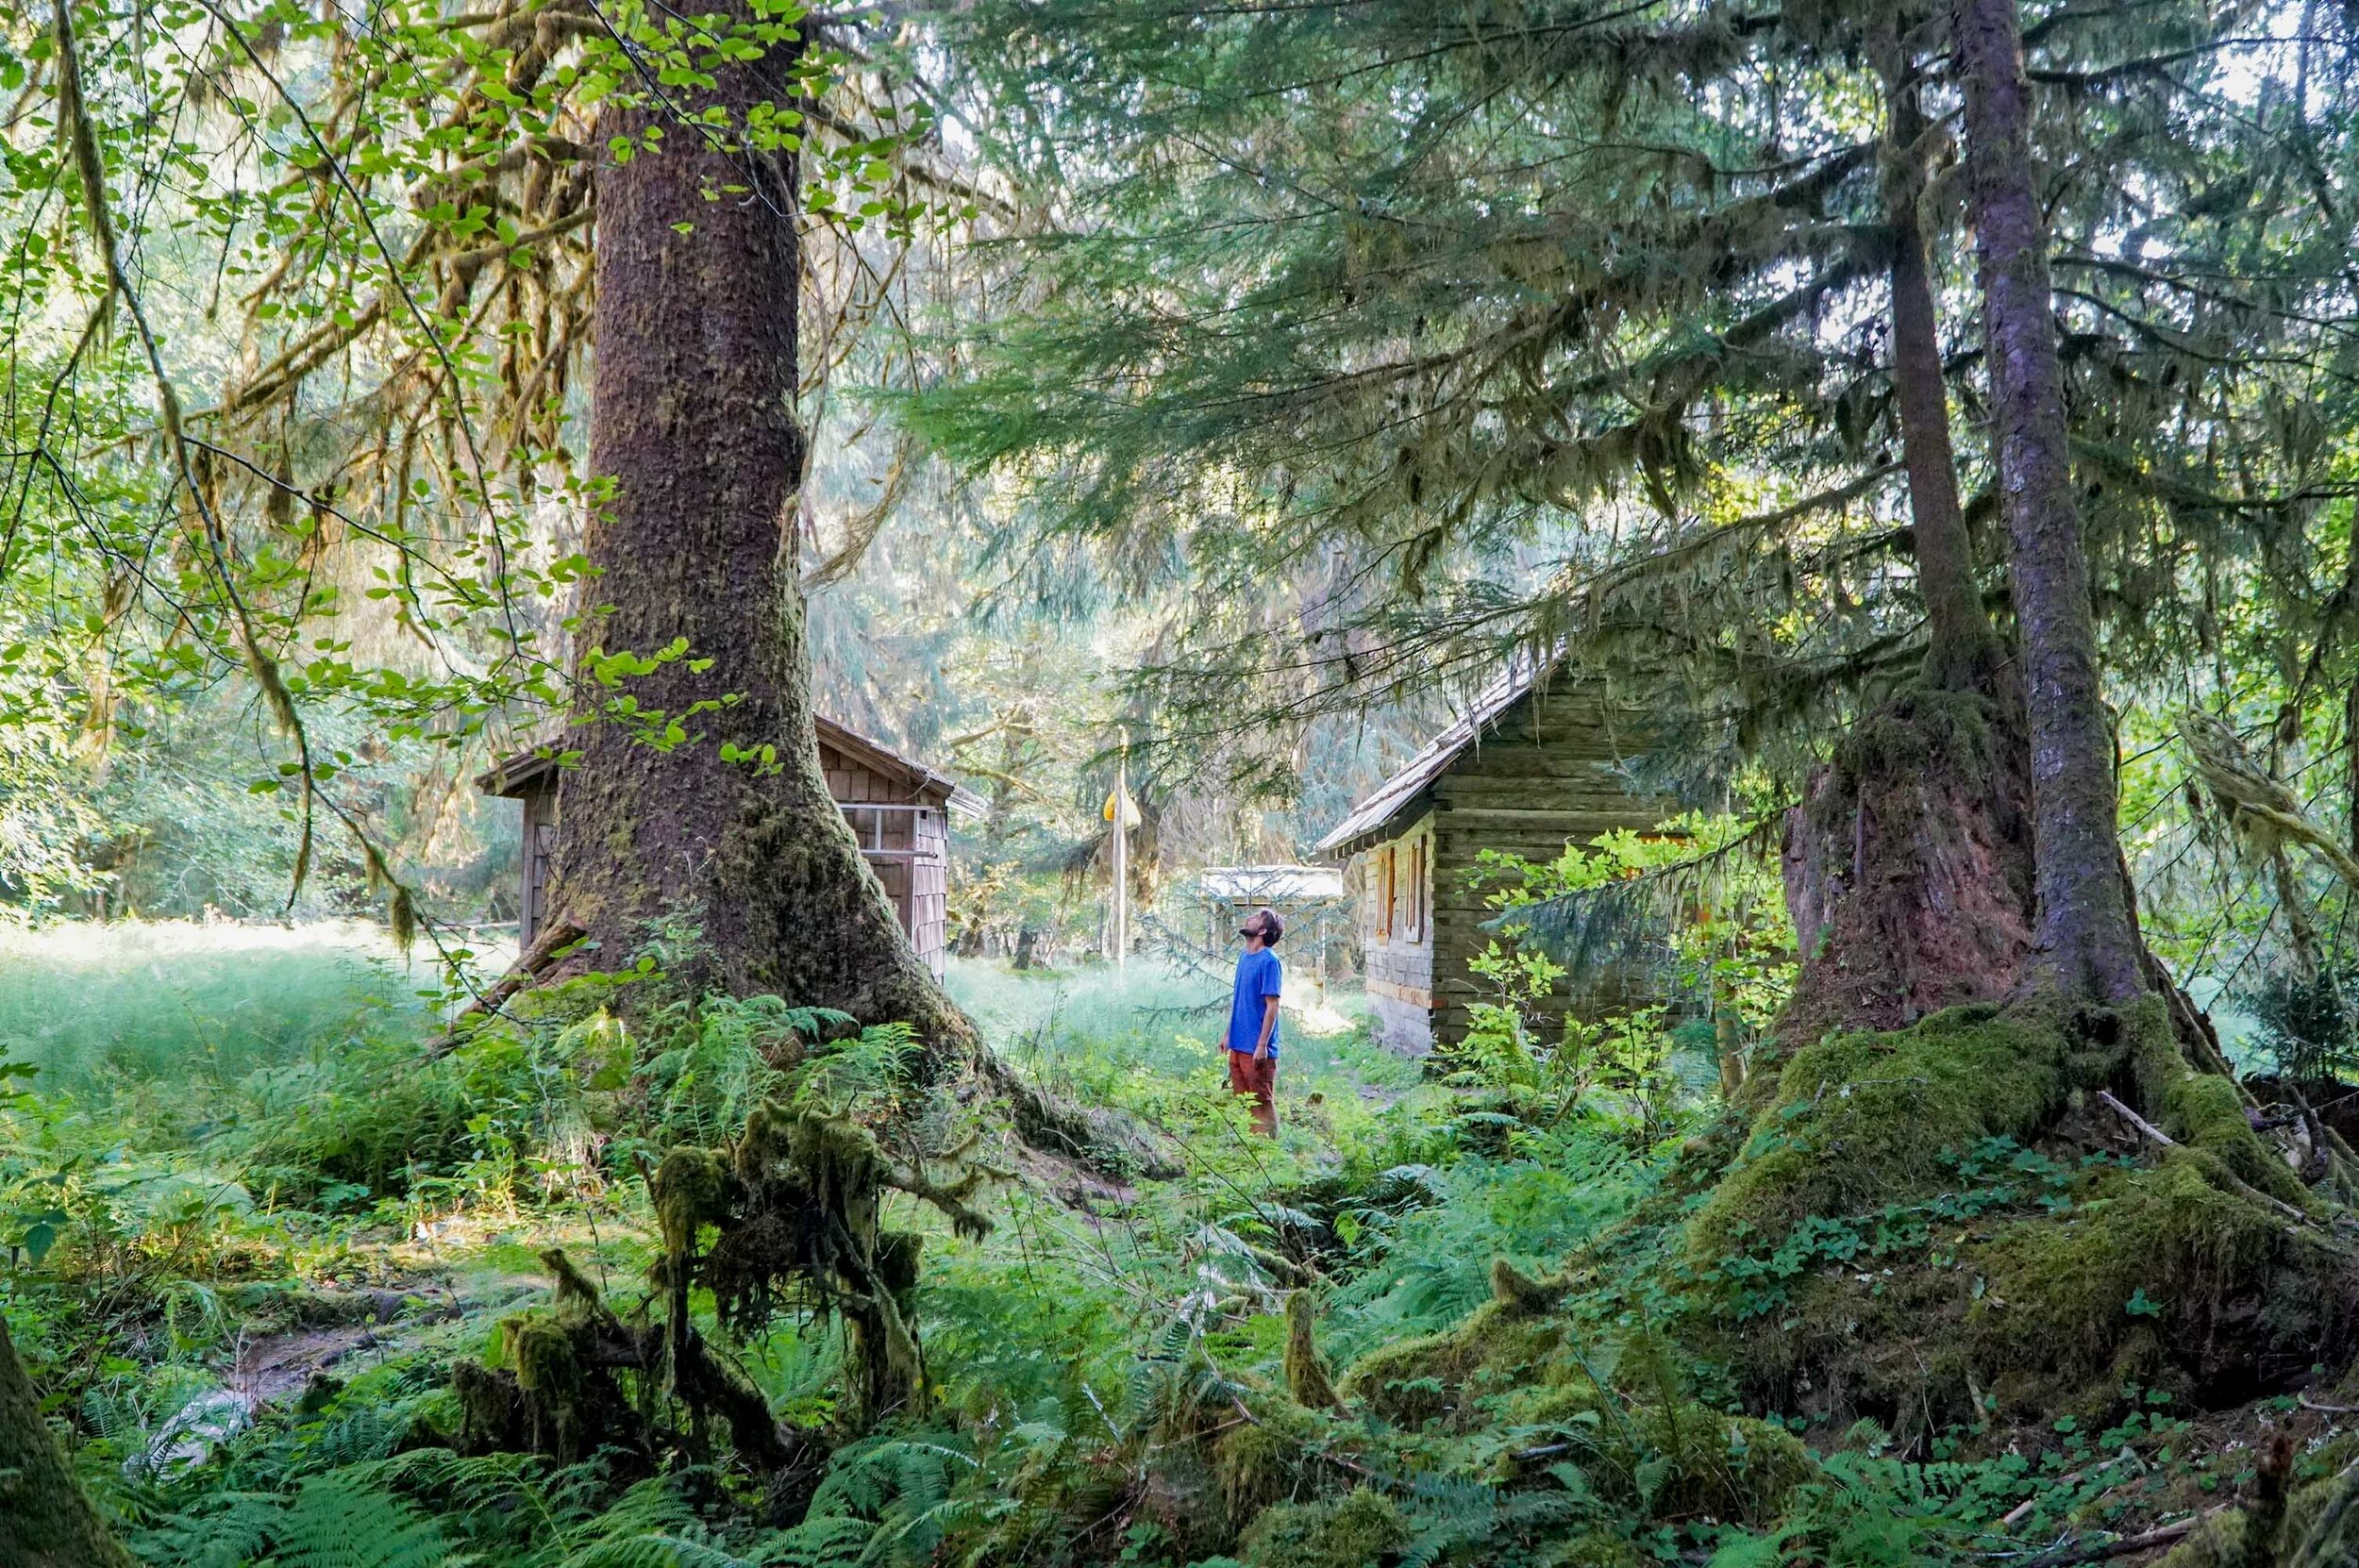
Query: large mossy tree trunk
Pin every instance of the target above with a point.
(692, 420)
(46, 1520)
(2085, 938)
(1908, 863)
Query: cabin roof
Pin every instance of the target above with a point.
(1405, 792)
(1269, 884)
(528, 771)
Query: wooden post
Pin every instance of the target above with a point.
(1122, 861)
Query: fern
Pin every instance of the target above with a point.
(862, 1075)
(1452, 1513)
(889, 1497)
(823, 1540)
(655, 1551)
(225, 1530)
(343, 1520)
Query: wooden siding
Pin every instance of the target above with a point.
(929, 890)
(1542, 776)
(906, 839)
(540, 845)
(851, 783)
(1399, 952)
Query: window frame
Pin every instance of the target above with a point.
(1416, 910)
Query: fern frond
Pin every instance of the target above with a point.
(341, 1520)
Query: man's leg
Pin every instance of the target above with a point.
(1255, 1080)
(1265, 1095)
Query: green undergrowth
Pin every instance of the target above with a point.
(1923, 1298)
(1943, 1223)
(1861, 1120)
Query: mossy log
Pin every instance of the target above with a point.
(1362, 1527)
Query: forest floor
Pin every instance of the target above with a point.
(256, 1224)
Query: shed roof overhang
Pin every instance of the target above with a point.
(534, 770)
(1396, 804)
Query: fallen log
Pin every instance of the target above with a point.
(555, 942)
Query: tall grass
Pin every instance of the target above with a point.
(103, 1010)
(1158, 1019)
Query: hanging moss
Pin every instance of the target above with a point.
(690, 1189)
(792, 1208)
(1351, 1531)
(491, 1410)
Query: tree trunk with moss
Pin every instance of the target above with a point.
(698, 790)
(2085, 938)
(1908, 865)
(46, 1520)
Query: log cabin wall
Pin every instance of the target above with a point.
(1542, 778)
(1396, 935)
(1540, 774)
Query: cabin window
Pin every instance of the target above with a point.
(1384, 892)
(1416, 892)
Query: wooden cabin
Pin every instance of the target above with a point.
(899, 810)
(1535, 764)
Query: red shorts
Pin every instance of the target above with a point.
(1257, 1080)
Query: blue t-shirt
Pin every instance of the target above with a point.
(1259, 975)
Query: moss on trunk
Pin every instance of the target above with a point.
(46, 1520)
(2085, 937)
(692, 420)
(1908, 864)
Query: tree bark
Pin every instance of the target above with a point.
(1908, 863)
(1960, 650)
(692, 422)
(46, 1520)
(2086, 943)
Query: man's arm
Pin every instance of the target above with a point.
(1269, 1025)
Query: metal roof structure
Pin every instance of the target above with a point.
(525, 771)
(1270, 884)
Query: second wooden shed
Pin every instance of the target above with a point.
(1535, 764)
(898, 808)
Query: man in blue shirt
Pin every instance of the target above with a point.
(1253, 1019)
